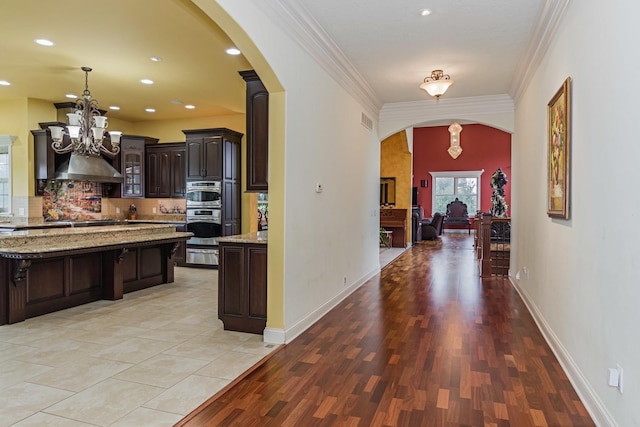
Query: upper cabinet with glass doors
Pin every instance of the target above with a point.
(132, 163)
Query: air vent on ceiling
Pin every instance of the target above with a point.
(366, 121)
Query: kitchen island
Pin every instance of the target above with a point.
(242, 282)
(50, 269)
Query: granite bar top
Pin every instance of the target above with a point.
(260, 237)
(44, 240)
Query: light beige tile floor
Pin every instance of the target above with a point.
(146, 360)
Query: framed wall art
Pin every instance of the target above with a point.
(558, 152)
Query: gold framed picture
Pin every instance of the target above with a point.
(558, 152)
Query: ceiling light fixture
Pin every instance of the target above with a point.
(86, 128)
(425, 12)
(44, 42)
(4, 83)
(190, 107)
(233, 51)
(150, 110)
(114, 107)
(155, 58)
(146, 81)
(71, 96)
(436, 84)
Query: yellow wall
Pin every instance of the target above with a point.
(14, 121)
(395, 161)
(171, 130)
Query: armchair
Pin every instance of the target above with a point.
(431, 230)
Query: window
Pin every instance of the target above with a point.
(5, 174)
(465, 185)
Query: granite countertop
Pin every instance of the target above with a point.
(31, 241)
(260, 237)
(62, 224)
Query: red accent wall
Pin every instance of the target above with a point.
(483, 147)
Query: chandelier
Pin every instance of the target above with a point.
(86, 128)
(436, 84)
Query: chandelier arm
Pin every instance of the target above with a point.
(115, 150)
(58, 148)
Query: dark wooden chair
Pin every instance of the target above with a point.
(457, 215)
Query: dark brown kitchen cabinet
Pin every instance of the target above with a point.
(214, 155)
(204, 157)
(165, 170)
(242, 287)
(132, 159)
(257, 112)
(205, 161)
(180, 256)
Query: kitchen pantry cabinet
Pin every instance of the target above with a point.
(257, 112)
(165, 170)
(242, 287)
(214, 155)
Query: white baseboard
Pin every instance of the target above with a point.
(592, 402)
(273, 336)
(287, 335)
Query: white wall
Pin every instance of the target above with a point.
(583, 282)
(333, 234)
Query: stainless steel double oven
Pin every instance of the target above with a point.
(204, 220)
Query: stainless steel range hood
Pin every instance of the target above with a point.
(88, 168)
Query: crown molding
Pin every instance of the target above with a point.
(296, 21)
(480, 109)
(448, 108)
(548, 23)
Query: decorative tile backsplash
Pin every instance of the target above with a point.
(172, 206)
(72, 200)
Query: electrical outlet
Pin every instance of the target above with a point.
(117, 210)
(153, 210)
(21, 211)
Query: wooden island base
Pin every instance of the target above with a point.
(36, 283)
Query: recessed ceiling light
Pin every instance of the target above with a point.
(176, 102)
(146, 81)
(233, 51)
(190, 107)
(150, 110)
(44, 42)
(425, 12)
(155, 59)
(114, 107)
(4, 83)
(71, 96)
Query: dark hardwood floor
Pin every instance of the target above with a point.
(425, 343)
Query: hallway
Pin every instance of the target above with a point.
(425, 343)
